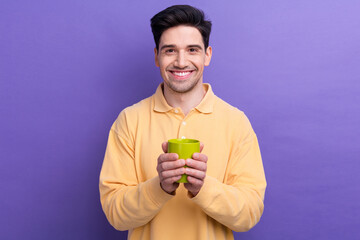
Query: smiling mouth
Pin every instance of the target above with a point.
(181, 74)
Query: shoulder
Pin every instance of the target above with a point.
(141, 107)
(234, 119)
(129, 116)
(232, 113)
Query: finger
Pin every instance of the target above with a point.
(170, 181)
(195, 173)
(198, 165)
(172, 173)
(201, 146)
(196, 183)
(200, 157)
(165, 157)
(172, 165)
(164, 146)
(193, 185)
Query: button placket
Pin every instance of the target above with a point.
(182, 127)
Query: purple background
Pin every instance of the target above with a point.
(67, 68)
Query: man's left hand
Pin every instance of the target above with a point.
(196, 172)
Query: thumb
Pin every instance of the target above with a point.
(201, 146)
(164, 146)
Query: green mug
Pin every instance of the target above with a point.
(185, 148)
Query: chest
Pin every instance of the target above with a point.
(210, 131)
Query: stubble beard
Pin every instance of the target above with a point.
(182, 87)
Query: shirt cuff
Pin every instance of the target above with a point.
(155, 192)
(208, 192)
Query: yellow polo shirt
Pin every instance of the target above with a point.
(233, 191)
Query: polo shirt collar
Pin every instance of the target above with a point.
(207, 103)
(205, 106)
(160, 104)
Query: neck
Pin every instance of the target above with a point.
(186, 101)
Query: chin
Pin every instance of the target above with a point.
(181, 88)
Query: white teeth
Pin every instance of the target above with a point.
(181, 74)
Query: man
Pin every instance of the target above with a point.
(226, 181)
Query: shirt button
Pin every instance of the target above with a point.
(184, 123)
(176, 111)
(183, 137)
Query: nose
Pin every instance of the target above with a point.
(181, 60)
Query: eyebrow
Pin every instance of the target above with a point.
(167, 46)
(195, 46)
(189, 46)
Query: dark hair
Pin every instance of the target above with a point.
(180, 15)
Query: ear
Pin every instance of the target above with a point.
(156, 57)
(208, 54)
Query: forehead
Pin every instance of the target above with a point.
(181, 36)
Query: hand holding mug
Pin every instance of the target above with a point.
(170, 169)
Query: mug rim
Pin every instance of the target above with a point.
(183, 141)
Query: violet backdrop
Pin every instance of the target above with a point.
(67, 68)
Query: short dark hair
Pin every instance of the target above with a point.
(180, 15)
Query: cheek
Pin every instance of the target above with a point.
(164, 63)
(200, 65)
(161, 66)
(200, 62)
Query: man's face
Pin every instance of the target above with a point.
(182, 58)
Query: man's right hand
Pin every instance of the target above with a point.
(170, 168)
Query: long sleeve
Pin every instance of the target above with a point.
(238, 201)
(233, 192)
(126, 202)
